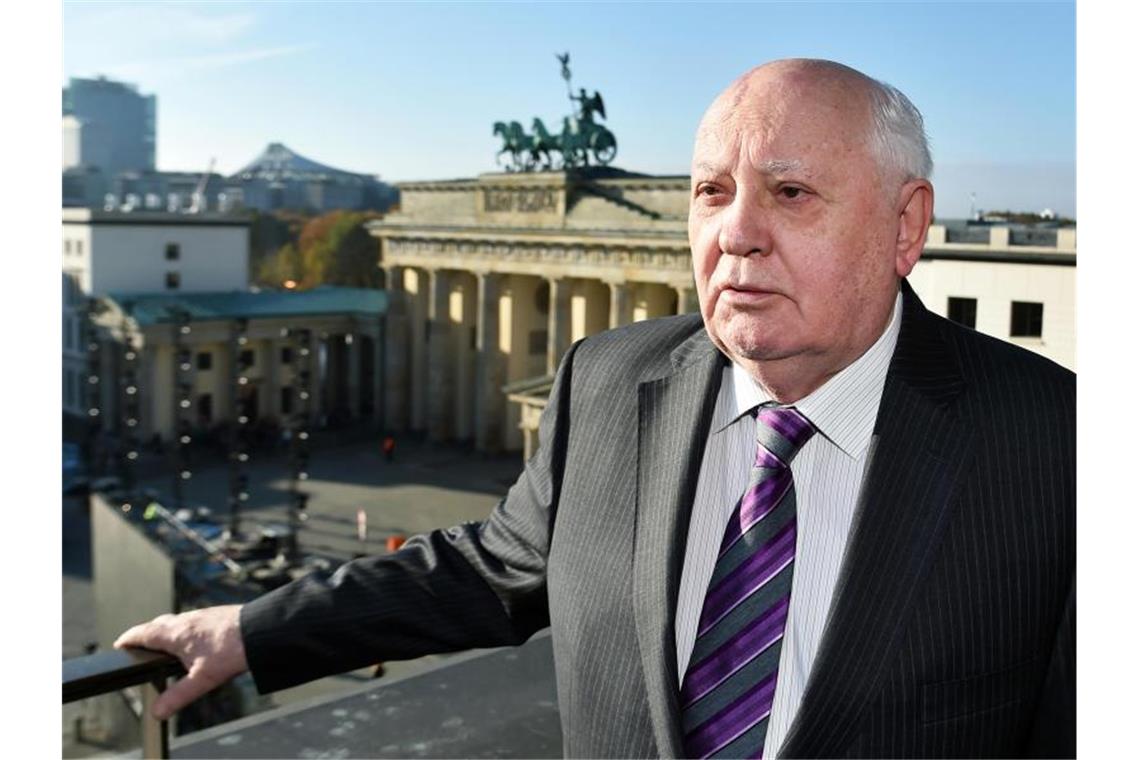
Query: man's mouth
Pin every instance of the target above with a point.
(746, 294)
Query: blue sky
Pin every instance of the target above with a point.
(410, 91)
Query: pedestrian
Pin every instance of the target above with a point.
(389, 447)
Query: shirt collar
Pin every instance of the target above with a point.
(843, 409)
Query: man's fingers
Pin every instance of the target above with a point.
(182, 692)
(151, 635)
(207, 641)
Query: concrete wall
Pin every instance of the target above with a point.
(452, 205)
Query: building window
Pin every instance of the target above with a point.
(286, 400)
(205, 360)
(205, 409)
(78, 247)
(1025, 319)
(173, 251)
(173, 280)
(286, 355)
(67, 246)
(537, 342)
(72, 289)
(245, 361)
(68, 398)
(964, 311)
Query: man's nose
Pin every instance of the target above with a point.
(744, 228)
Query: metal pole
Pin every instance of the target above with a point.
(155, 737)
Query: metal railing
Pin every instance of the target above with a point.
(109, 671)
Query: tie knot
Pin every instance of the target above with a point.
(780, 431)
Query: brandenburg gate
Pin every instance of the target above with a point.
(493, 278)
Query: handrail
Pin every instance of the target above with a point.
(108, 671)
(115, 669)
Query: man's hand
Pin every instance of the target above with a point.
(207, 641)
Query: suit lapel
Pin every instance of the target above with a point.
(920, 448)
(674, 413)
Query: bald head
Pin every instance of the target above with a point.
(879, 114)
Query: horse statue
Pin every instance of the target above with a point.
(516, 142)
(581, 135)
(542, 142)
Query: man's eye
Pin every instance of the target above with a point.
(790, 192)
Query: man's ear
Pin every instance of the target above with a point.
(916, 201)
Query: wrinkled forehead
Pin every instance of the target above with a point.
(785, 111)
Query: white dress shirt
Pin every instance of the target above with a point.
(827, 472)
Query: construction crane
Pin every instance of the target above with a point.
(198, 200)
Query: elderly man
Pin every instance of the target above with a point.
(817, 521)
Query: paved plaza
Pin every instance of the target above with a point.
(426, 486)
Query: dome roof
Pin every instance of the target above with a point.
(277, 163)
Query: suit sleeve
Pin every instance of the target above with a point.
(478, 584)
(1054, 731)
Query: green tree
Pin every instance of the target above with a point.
(330, 249)
(278, 268)
(355, 253)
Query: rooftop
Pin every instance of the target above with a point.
(147, 217)
(277, 162)
(156, 308)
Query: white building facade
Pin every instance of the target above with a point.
(1021, 293)
(144, 252)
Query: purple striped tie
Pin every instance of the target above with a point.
(731, 680)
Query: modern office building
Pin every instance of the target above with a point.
(108, 125)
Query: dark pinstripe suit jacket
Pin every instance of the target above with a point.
(952, 629)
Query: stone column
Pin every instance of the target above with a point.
(439, 383)
(353, 344)
(619, 304)
(687, 300)
(558, 323)
(418, 354)
(396, 364)
(489, 369)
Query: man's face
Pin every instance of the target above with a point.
(792, 228)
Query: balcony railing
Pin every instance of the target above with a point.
(488, 703)
(110, 671)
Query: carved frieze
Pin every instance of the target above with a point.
(521, 200)
(481, 254)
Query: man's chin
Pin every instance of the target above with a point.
(752, 346)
